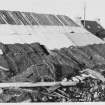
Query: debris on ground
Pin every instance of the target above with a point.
(32, 73)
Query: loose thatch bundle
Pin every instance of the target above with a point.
(33, 62)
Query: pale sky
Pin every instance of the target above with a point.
(71, 8)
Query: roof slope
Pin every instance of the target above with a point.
(29, 18)
(94, 28)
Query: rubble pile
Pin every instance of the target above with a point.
(83, 67)
(88, 90)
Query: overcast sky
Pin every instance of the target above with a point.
(72, 8)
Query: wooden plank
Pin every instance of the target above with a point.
(38, 84)
(3, 68)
